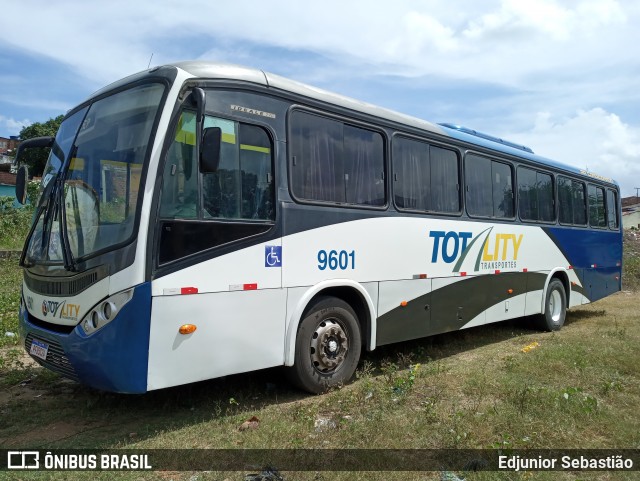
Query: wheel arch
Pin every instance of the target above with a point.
(351, 292)
(563, 276)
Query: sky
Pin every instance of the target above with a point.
(560, 76)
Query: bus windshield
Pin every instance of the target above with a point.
(94, 173)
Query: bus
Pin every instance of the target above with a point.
(199, 220)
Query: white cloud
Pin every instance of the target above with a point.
(10, 126)
(491, 41)
(596, 140)
(566, 57)
(546, 18)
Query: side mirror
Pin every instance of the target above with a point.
(210, 150)
(36, 142)
(21, 185)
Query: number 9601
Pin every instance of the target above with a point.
(333, 260)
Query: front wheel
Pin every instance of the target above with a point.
(328, 346)
(555, 309)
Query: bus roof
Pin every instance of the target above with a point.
(215, 70)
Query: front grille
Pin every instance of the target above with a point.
(56, 358)
(63, 286)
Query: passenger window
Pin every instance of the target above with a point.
(489, 187)
(535, 195)
(597, 215)
(426, 177)
(572, 207)
(332, 161)
(612, 209)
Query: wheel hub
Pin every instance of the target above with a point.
(555, 306)
(329, 346)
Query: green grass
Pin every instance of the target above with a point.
(631, 261)
(14, 224)
(10, 283)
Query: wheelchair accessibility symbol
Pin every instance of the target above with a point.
(273, 256)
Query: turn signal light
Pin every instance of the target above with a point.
(187, 329)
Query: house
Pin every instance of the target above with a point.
(8, 144)
(631, 212)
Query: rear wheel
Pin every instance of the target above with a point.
(328, 346)
(555, 307)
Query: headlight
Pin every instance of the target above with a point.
(104, 312)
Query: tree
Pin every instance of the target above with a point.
(36, 159)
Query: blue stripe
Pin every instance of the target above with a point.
(116, 357)
(584, 247)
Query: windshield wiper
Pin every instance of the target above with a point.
(42, 209)
(67, 255)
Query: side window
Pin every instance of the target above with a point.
(445, 182)
(479, 187)
(535, 195)
(241, 188)
(335, 162)
(412, 174)
(363, 166)
(612, 209)
(180, 178)
(572, 207)
(579, 203)
(426, 177)
(545, 197)
(502, 180)
(597, 215)
(489, 187)
(195, 208)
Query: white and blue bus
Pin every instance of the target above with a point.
(199, 220)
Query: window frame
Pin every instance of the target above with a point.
(352, 122)
(586, 201)
(615, 209)
(200, 217)
(512, 168)
(604, 206)
(180, 262)
(553, 194)
(429, 143)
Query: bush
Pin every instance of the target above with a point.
(14, 224)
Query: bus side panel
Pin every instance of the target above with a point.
(506, 296)
(236, 332)
(535, 289)
(398, 322)
(596, 257)
(457, 301)
(602, 281)
(252, 266)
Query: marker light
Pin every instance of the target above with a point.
(509, 291)
(187, 329)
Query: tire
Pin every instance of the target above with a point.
(328, 346)
(555, 307)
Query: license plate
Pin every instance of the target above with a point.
(39, 349)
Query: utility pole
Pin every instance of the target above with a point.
(637, 189)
